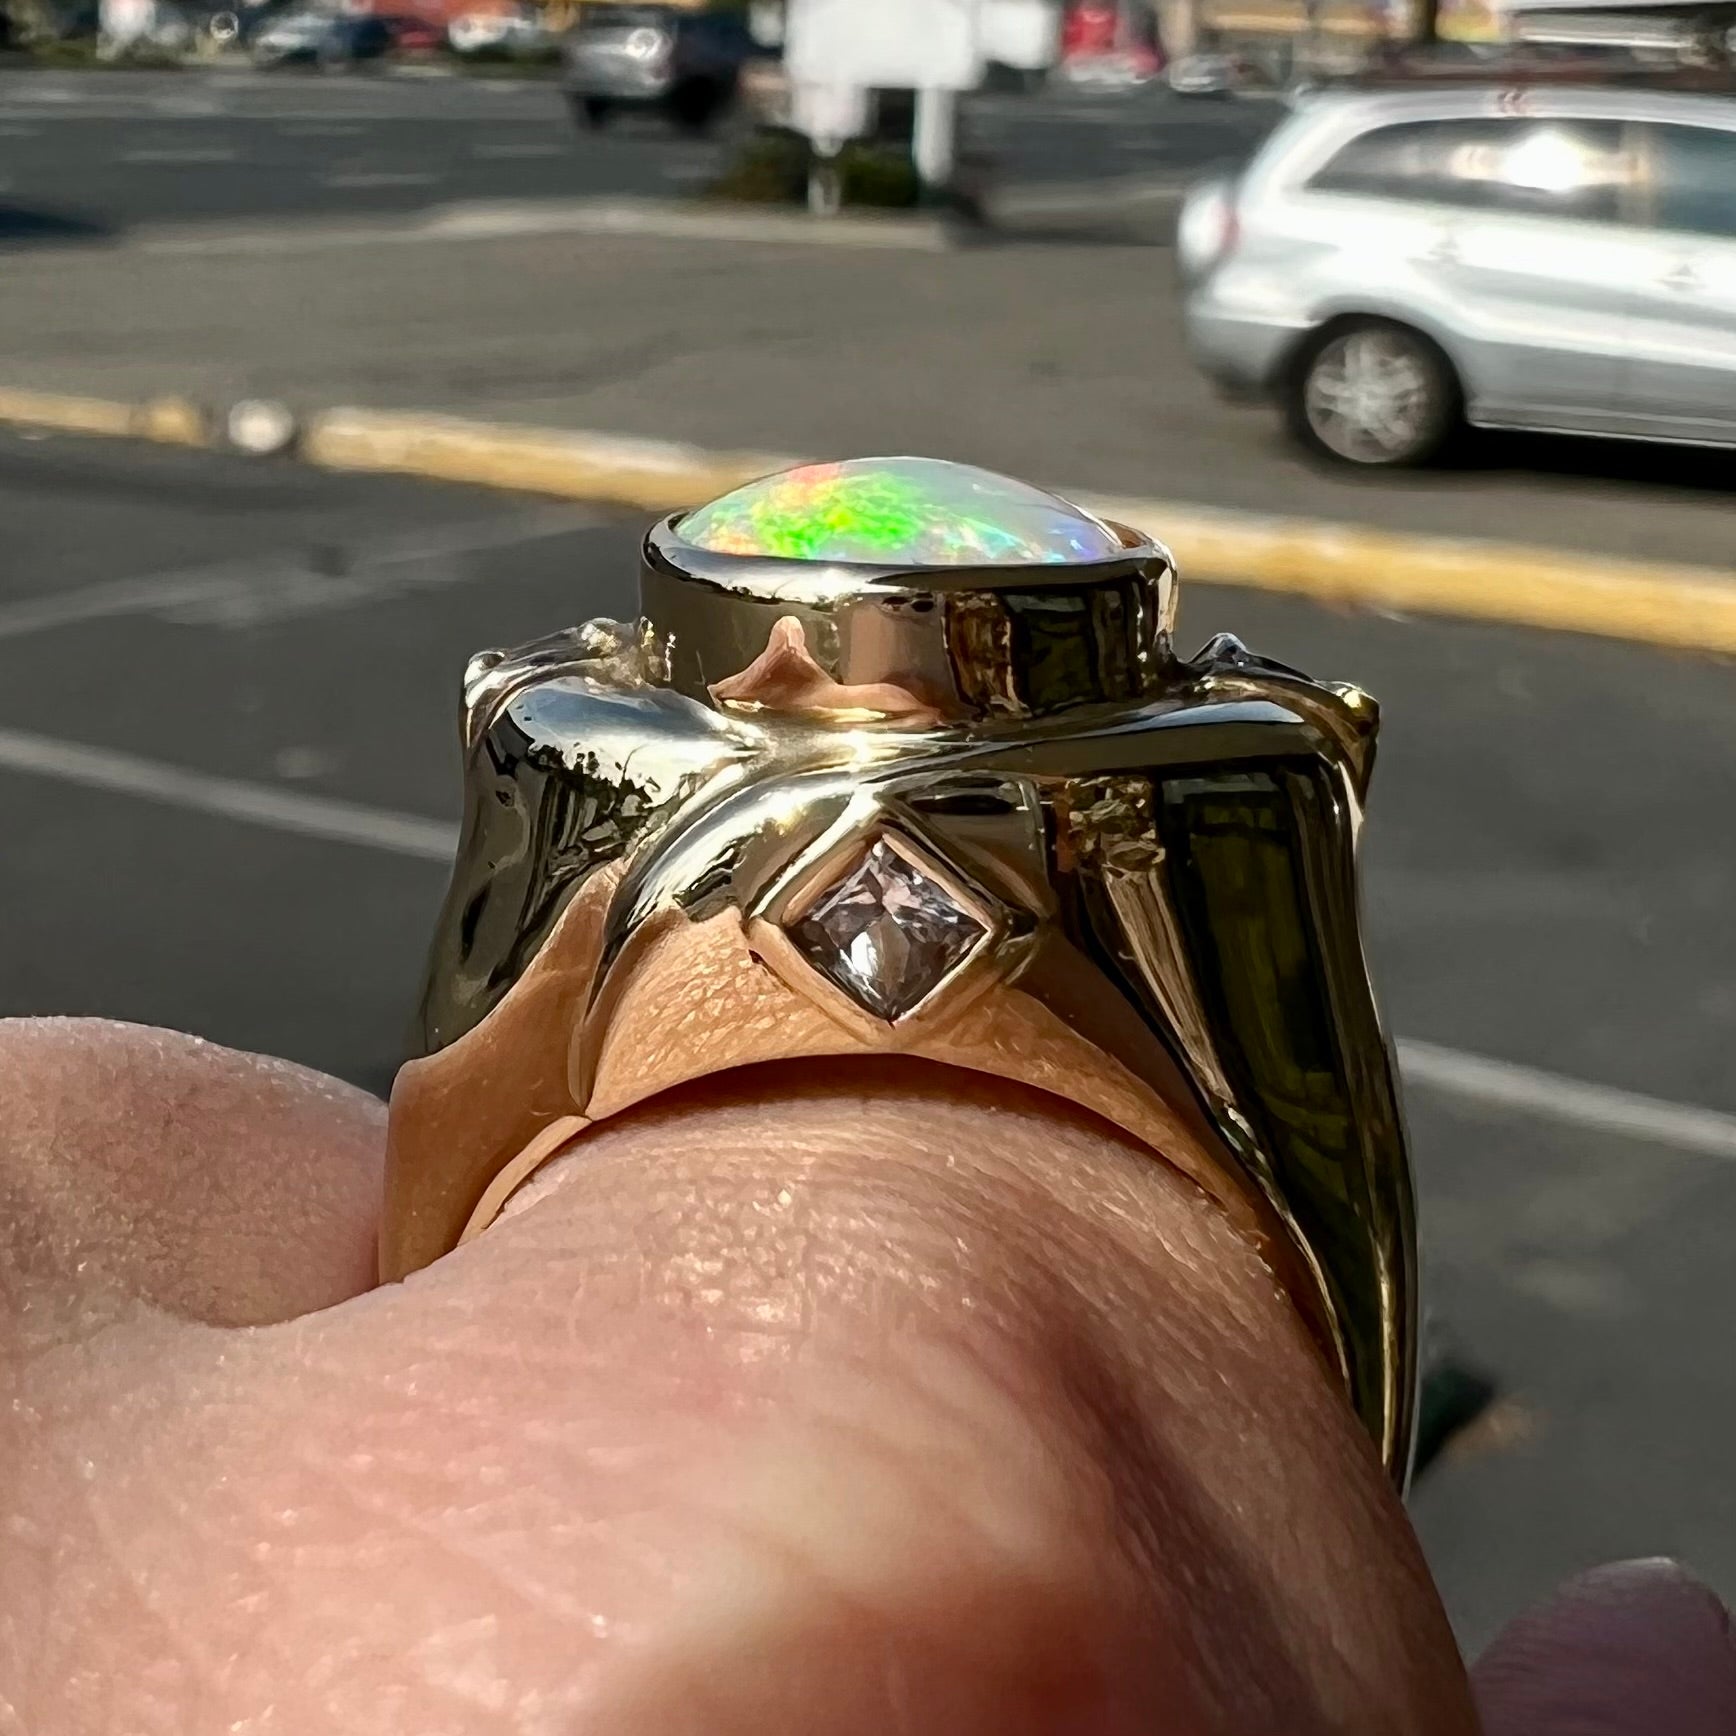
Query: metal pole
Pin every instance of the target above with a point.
(932, 142)
(825, 185)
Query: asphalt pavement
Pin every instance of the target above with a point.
(103, 153)
(228, 772)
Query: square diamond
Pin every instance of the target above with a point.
(887, 934)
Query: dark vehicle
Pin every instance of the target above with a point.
(684, 64)
(309, 37)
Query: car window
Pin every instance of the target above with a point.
(1693, 179)
(1565, 168)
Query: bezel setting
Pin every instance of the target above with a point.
(826, 868)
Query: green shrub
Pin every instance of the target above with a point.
(771, 168)
(497, 60)
(81, 52)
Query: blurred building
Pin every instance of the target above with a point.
(1290, 26)
(1326, 31)
(1682, 29)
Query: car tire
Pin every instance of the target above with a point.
(1373, 393)
(594, 112)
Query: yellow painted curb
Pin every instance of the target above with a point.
(1654, 603)
(169, 421)
(173, 422)
(1348, 566)
(653, 474)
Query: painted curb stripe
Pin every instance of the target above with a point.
(168, 421)
(1348, 566)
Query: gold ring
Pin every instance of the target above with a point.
(900, 758)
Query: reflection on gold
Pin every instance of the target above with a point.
(785, 677)
(1110, 825)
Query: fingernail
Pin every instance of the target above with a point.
(1637, 1647)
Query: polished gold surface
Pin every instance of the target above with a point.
(1122, 877)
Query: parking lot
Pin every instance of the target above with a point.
(90, 156)
(228, 771)
(405, 243)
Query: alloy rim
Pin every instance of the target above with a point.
(1368, 397)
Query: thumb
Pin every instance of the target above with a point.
(823, 1400)
(1627, 1650)
(966, 1414)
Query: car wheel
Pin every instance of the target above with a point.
(1373, 393)
(595, 112)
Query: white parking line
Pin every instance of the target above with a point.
(323, 817)
(1577, 1103)
(281, 586)
(355, 118)
(511, 153)
(138, 113)
(1478, 1079)
(187, 154)
(379, 178)
(318, 129)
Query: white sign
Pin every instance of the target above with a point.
(1022, 34)
(125, 22)
(885, 44)
(831, 115)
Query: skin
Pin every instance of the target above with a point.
(878, 1398)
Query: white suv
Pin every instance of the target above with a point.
(1391, 264)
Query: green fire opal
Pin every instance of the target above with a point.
(917, 512)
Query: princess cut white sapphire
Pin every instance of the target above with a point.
(887, 934)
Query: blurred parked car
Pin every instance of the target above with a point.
(1203, 75)
(312, 37)
(684, 64)
(1107, 44)
(1389, 266)
(504, 30)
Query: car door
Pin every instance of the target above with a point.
(1523, 263)
(1680, 377)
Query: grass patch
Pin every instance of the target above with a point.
(79, 53)
(542, 62)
